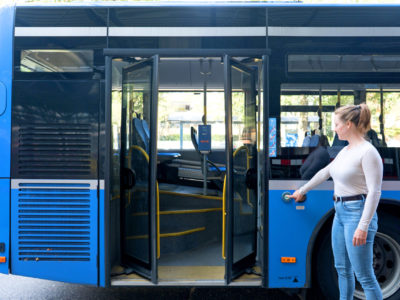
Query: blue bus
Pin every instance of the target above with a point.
(134, 141)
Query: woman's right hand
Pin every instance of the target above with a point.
(297, 196)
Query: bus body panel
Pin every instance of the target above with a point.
(6, 34)
(54, 198)
(103, 281)
(6, 54)
(290, 231)
(5, 224)
(392, 195)
(292, 227)
(52, 240)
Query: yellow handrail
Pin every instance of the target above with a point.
(180, 212)
(141, 150)
(190, 195)
(170, 234)
(240, 149)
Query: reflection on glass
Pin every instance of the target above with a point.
(56, 60)
(301, 112)
(343, 63)
(346, 100)
(300, 99)
(295, 126)
(244, 158)
(388, 125)
(136, 96)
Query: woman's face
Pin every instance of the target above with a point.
(341, 128)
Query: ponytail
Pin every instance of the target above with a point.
(364, 122)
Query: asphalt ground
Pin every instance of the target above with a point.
(21, 288)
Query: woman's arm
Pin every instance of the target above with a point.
(317, 179)
(319, 159)
(373, 171)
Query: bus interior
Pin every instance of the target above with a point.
(186, 104)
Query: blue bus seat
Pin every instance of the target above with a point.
(139, 136)
(146, 129)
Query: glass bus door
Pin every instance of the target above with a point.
(139, 190)
(240, 187)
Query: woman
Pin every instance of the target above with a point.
(357, 174)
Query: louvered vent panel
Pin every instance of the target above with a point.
(51, 149)
(54, 221)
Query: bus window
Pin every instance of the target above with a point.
(307, 111)
(384, 121)
(391, 112)
(296, 119)
(56, 60)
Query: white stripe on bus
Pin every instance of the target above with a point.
(273, 31)
(140, 31)
(61, 31)
(333, 31)
(186, 31)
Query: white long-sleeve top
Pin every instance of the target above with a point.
(354, 171)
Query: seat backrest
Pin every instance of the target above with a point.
(139, 135)
(193, 137)
(146, 129)
(314, 140)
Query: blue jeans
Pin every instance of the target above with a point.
(351, 259)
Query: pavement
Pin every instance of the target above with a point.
(24, 288)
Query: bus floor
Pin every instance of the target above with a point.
(205, 255)
(202, 266)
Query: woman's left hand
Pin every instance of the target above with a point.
(360, 237)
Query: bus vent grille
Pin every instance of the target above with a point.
(54, 221)
(51, 149)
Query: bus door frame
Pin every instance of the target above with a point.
(235, 269)
(151, 271)
(148, 270)
(111, 53)
(265, 166)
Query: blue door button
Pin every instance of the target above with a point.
(285, 197)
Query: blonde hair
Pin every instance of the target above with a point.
(359, 115)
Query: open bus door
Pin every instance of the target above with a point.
(240, 187)
(139, 189)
